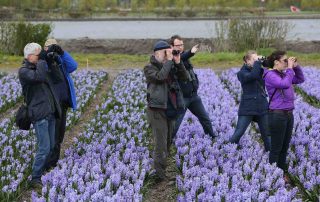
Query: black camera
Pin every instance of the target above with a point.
(264, 61)
(52, 55)
(175, 52)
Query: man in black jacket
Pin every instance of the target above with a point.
(43, 106)
(189, 89)
(254, 104)
(61, 64)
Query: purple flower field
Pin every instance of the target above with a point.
(311, 85)
(110, 159)
(10, 91)
(304, 160)
(17, 147)
(216, 171)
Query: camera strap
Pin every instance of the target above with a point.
(274, 92)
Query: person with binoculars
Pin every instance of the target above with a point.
(253, 104)
(60, 64)
(279, 80)
(164, 100)
(190, 87)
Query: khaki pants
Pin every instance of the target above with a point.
(162, 129)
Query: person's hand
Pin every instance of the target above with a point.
(195, 48)
(168, 53)
(177, 58)
(295, 64)
(256, 57)
(55, 48)
(291, 61)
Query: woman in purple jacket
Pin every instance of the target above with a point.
(279, 83)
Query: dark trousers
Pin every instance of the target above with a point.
(281, 126)
(60, 129)
(162, 128)
(194, 104)
(243, 123)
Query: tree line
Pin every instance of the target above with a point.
(150, 5)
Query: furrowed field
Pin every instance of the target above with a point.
(110, 158)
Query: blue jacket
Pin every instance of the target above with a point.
(68, 66)
(254, 98)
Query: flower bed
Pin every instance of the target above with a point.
(17, 147)
(303, 156)
(110, 159)
(216, 171)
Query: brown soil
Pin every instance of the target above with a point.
(144, 46)
(88, 113)
(10, 112)
(165, 190)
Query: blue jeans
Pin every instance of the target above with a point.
(194, 104)
(243, 123)
(45, 129)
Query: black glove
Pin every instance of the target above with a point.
(55, 48)
(43, 55)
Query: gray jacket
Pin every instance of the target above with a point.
(157, 75)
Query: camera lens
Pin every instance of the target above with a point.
(175, 52)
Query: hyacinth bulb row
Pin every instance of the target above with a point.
(17, 147)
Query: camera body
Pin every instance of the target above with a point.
(52, 55)
(263, 60)
(175, 52)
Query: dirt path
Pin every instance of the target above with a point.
(77, 128)
(88, 113)
(10, 112)
(165, 190)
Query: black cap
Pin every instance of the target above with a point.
(159, 45)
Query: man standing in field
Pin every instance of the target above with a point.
(164, 100)
(189, 89)
(61, 64)
(43, 106)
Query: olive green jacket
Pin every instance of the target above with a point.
(157, 75)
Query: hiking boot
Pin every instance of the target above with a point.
(36, 185)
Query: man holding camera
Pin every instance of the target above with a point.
(43, 106)
(189, 88)
(61, 64)
(164, 100)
